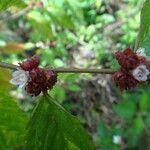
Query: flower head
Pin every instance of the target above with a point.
(141, 73)
(41, 81)
(33, 78)
(133, 68)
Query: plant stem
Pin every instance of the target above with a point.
(64, 70)
(77, 70)
(8, 66)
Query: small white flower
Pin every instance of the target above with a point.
(141, 73)
(141, 52)
(20, 78)
(117, 139)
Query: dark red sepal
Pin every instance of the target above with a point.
(124, 80)
(127, 59)
(30, 63)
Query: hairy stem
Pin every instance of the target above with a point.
(64, 70)
(77, 70)
(8, 66)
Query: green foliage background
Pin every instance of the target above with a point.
(74, 33)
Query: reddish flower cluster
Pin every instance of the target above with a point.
(40, 79)
(128, 61)
(124, 80)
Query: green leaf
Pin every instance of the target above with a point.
(5, 4)
(133, 133)
(41, 25)
(52, 128)
(102, 129)
(106, 139)
(125, 109)
(12, 122)
(4, 78)
(147, 120)
(59, 93)
(75, 6)
(146, 44)
(59, 16)
(144, 25)
(144, 102)
(74, 88)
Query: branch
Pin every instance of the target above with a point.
(8, 66)
(77, 70)
(63, 70)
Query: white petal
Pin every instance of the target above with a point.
(16, 73)
(141, 52)
(140, 73)
(21, 86)
(14, 81)
(147, 72)
(144, 78)
(141, 78)
(20, 77)
(135, 72)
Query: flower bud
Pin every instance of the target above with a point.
(127, 59)
(124, 81)
(30, 64)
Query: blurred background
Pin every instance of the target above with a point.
(80, 33)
